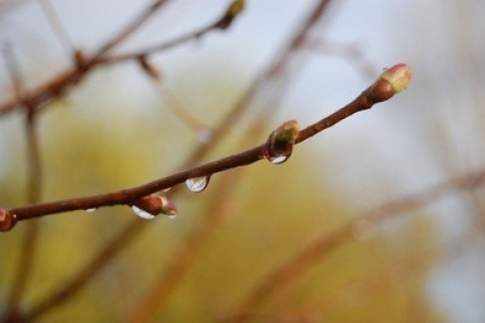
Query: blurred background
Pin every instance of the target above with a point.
(118, 128)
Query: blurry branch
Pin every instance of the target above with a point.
(223, 23)
(175, 106)
(59, 84)
(324, 246)
(33, 191)
(65, 291)
(8, 5)
(57, 26)
(351, 53)
(279, 144)
(404, 268)
(129, 29)
(13, 70)
(183, 258)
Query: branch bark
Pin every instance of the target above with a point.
(326, 244)
(377, 92)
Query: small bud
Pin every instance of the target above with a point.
(281, 141)
(399, 76)
(7, 220)
(155, 204)
(148, 68)
(234, 9)
(168, 207)
(393, 80)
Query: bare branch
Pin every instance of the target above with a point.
(57, 27)
(65, 292)
(324, 246)
(33, 190)
(380, 91)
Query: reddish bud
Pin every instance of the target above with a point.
(7, 220)
(398, 76)
(155, 204)
(168, 207)
(281, 141)
(393, 80)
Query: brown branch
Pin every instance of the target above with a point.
(129, 29)
(59, 84)
(380, 91)
(182, 259)
(319, 249)
(29, 243)
(57, 26)
(33, 190)
(185, 255)
(66, 291)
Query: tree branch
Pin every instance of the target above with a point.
(33, 190)
(60, 83)
(380, 91)
(324, 246)
(66, 291)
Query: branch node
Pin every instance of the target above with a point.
(156, 204)
(7, 220)
(279, 146)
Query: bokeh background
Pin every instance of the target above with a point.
(117, 129)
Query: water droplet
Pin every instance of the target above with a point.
(91, 210)
(279, 159)
(142, 214)
(172, 216)
(197, 184)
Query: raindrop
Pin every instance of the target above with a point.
(278, 159)
(197, 184)
(142, 214)
(172, 216)
(91, 210)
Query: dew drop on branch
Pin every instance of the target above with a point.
(142, 214)
(278, 159)
(197, 184)
(91, 210)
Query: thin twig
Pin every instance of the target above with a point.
(33, 192)
(185, 255)
(57, 27)
(182, 259)
(66, 291)
(127, 196)
(60, 83)
(129, 29)
(324, 246)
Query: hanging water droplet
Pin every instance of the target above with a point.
(172, 216)
(197, 184)
(142, 214)
(279, 159)
(91, 210)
